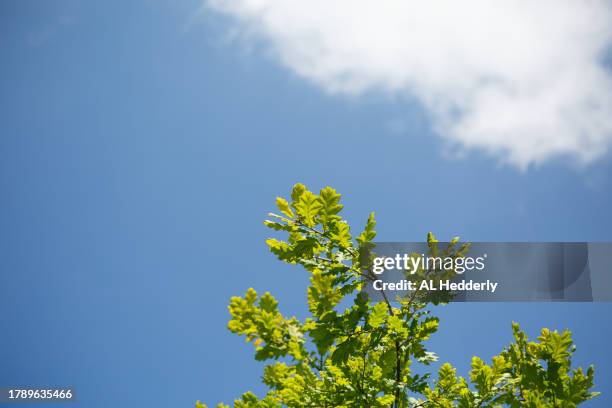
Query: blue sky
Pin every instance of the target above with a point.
(141, 152)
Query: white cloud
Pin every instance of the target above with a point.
(522, 80)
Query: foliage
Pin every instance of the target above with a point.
(352, 352)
